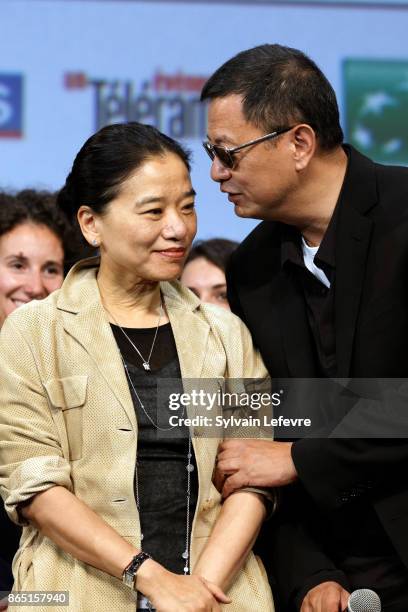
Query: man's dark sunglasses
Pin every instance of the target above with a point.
(226, 155)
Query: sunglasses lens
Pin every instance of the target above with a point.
(209, 150)
(223, 155)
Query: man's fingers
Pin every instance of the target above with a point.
(344, 599)
(228, 466)
(218, 480)
(233, 483)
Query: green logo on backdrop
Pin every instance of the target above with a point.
(376, 95)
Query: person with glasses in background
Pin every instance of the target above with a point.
(322, 285)
(204, 270)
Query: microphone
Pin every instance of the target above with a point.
(364, 600)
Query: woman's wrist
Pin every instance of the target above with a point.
(147, 576)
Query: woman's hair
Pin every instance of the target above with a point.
(30, 206)
(40, 208)
(217, 251)
(107, 159)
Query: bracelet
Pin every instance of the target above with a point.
(128, 576)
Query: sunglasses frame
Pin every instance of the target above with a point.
(227, 155)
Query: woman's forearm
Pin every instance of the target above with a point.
(232, 538)
(78, 530)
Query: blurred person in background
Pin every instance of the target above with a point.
(35, 238)
(204, 271)
(109, 505)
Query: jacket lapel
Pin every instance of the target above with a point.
(190, 331)
(297, 338)
(350, 272)
(358, 196)
(275, 312)
(92, 331)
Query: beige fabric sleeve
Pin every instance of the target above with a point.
(253, 368)
(31, 456)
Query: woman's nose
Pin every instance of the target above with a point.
(34, 286)
(174, 228)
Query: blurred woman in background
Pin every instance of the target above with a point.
(204, 271)
(35, 240)
(32, 246)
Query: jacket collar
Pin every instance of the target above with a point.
(80, 290)
(84, 319)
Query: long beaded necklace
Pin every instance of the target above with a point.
(189, 467)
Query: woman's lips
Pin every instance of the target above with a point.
(176, 253)
(18, 302)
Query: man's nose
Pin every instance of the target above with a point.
(219, 172)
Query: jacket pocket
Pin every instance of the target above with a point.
(69, 395)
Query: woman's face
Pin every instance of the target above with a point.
(31, 266)
(146, 231)
(207, 281)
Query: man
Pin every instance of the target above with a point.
(322, 285)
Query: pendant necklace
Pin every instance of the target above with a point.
(145, 362)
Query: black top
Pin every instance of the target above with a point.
(162, 455)
(318, 298)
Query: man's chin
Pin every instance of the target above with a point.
(246, 212)
(241, 211)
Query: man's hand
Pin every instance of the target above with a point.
(326, 597)
(257, 463)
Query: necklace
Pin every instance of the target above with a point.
(189, 468)
(146, 362)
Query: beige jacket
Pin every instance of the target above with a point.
(67, 418)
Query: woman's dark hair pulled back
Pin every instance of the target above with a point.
(107, 159)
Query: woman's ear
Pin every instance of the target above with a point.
(87, 220)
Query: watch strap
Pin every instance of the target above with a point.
(128, 576)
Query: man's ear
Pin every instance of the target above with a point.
(88, 223)
(304, 145)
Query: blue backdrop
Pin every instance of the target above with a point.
(68, 67)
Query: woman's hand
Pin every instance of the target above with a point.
(170, 592)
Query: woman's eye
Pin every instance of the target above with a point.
(53, 270)
(153, 211)
(222, 297)
(16, 265)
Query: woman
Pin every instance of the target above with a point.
(84, 414)
(204, 271)
(33, 243)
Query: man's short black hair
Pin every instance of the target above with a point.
(280, 86)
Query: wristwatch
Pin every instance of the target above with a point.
(128, 576)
